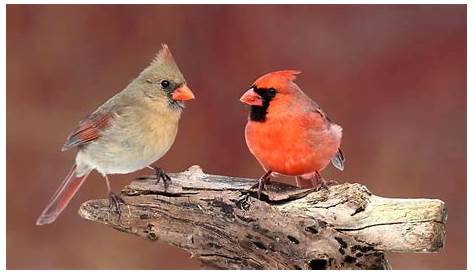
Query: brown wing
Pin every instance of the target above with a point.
(88, 130)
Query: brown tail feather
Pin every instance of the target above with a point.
(61, 197)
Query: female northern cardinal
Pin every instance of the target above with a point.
(288, 132)
(130, 131)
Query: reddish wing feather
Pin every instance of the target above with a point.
(88, 130)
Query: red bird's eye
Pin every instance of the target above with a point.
(272, 91)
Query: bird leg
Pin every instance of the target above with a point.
(114, 203)
(261, 183)
(161, 175)
(318, 181)
(114, 200)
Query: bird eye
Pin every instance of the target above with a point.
(165, 83)
(272, 91)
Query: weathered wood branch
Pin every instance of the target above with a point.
(220, 222)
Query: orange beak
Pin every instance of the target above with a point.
(183, 93)
(251, 98)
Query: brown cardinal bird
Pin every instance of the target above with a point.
(288, 132)
(129, 132)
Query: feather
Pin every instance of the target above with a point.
(338, 160)
(88, 130)
(163, 66)
(163, 55)
(62, 197)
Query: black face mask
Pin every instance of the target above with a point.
(259, 113)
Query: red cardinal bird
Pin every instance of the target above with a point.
(129, 132)
(288, 132)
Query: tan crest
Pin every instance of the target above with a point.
(163, 66)
(163, 55)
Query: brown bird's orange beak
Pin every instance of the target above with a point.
(182, 93)
(251, 98)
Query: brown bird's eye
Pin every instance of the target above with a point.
(165, 83)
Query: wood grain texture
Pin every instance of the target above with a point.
(221, 223)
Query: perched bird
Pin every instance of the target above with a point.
(130, 131)
(288, 132)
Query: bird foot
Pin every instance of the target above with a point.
(115, 203)
(332, 182)
(162, 176)
(319, 182)
(260, 186)
(325, 184)
(322, 185)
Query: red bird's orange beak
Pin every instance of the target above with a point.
(182, 93)
(251, 98)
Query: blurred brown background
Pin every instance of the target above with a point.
(394, 76)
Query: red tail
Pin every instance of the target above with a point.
(61, 198)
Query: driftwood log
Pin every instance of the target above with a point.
(220, 222)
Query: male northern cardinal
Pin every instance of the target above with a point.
(130, 131)
(288, 132)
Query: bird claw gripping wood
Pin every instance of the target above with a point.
(320, 183)
(115, 203)
(162, 176)
(260, 185)
(326, 184)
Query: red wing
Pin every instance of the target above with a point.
(315, 108)
(88, 130)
